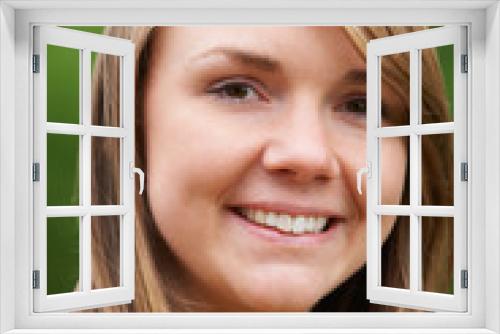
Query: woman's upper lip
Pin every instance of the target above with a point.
(289, 208)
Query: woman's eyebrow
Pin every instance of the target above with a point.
(355, 76)
(244, 57)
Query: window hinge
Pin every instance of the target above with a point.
(36, 63)
(464, 171)
(464, 284)
(36, 172)
(36, 279)
(465, 65)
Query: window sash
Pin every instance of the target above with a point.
(414, 297)
(85, 43)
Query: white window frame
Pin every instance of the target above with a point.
(16, 20)
(84, 44)
(412, 44)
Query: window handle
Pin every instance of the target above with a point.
(365, 170)
(136, 170)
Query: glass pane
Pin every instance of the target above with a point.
(63, 169)
(105, 89)
(437, 84)
(105, 171)
(395, 89)
(437, 169)
(437, 254)
(63, 254)
(394, 164)
(105, 252)
(395, 242)
(63, 84)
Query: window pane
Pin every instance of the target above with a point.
(63, 254)
(437, 169)
(437, 84)
(106, 171)
(105, 252)
(63, 169)
(393, 166)
(63, 84)
(105, 90)
(395, 245)
(437, 254)
(395, 89)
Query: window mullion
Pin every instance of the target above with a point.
(419, 129)
(422, 210)
(80, 211)
(78, 129)
(415, 173)
(85, 164)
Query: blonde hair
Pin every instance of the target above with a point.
(156, 282)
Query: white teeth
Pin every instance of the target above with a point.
(271, 219)
(286, 223)
(299, 226)
(259, 216)
(309, 226)
(321, 222)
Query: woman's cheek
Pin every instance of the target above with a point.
(350, 150)
(227, 152)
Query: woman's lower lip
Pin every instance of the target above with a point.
(274, 235)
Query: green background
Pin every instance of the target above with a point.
(62, 159)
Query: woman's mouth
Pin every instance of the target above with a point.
(288, 224)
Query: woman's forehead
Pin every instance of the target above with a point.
(257, 36)
(326, 45)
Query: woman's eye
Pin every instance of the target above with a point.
(356, 106)
(236, 91)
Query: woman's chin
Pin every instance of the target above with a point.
(285, 295)
(281, 302)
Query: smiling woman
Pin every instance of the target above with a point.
(251, 138)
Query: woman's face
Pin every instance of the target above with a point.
(254, 137)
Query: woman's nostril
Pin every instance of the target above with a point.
(285, 171)
(322, 178)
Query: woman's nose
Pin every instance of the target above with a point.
(300, 151)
